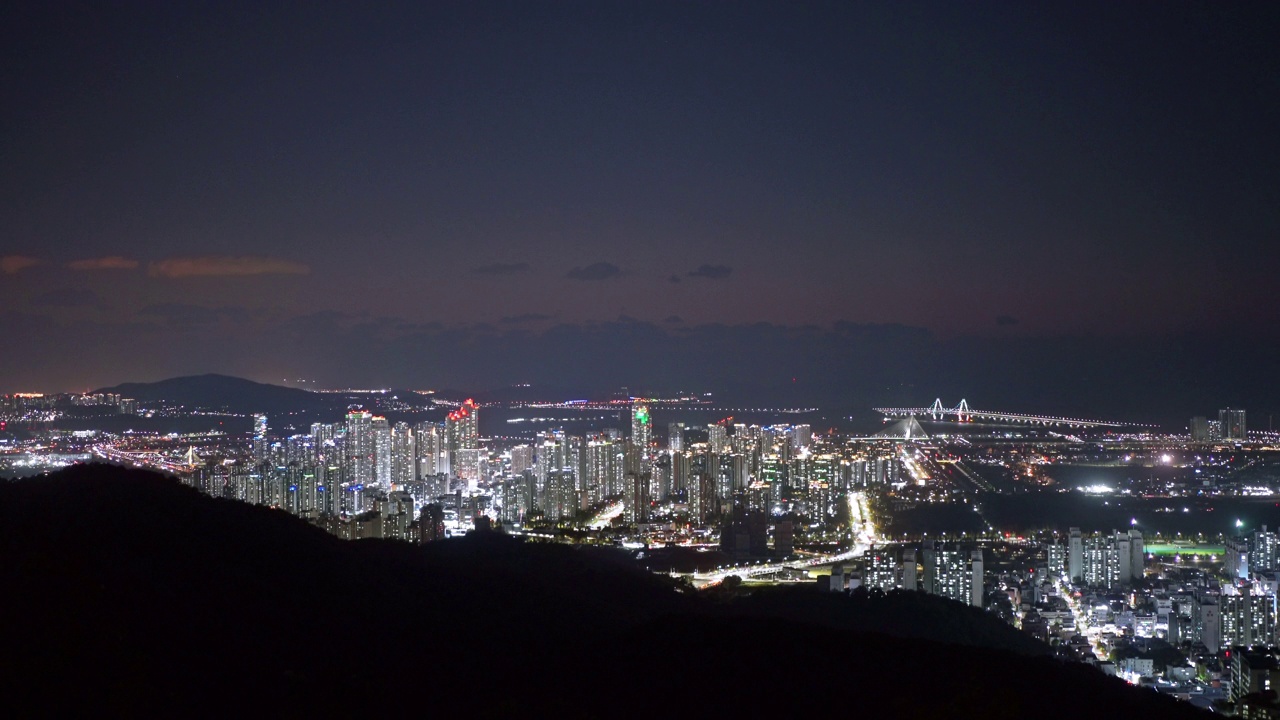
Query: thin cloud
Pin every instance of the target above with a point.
(712, 272)
(595, 271)
(110, 262)
(500, 269)
(14, 264)
(674, 279)
(673, 320)
(1006, 320)
(225, 266)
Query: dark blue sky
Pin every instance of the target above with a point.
(1008, 171)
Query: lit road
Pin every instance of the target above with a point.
(1081, 613)
(864, 535)
(146, 460)
(979, 483)
(606, 516)
(913, 467)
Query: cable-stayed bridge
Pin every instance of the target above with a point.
(964, 413)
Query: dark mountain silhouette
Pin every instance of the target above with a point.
(907, 615)
(126, 593)
(233, 394)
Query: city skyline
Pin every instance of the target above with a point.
(1139, 551)
(577, 358)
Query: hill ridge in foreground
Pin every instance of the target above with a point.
(128, 593)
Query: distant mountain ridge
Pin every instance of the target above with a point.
(215, 391)
(234, 394)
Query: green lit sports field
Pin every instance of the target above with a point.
(1185, 549)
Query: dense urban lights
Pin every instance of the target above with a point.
(767, 502)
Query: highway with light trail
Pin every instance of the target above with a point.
(864, 538)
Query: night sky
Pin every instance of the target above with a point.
(1055, 206)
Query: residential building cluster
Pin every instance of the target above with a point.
(710, 477)
(950, 570)
(1231, 426)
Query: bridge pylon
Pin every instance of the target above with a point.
(936, 410)
(962, 410)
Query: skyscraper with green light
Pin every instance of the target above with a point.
(641, 425)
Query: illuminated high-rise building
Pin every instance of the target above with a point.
(1075, 555)
(641, 425)
(1235, 558)
(717, 439)
(576, 457)
(308, 484)
(560, 497)
(701, 493)
(1101, 562)
(381, 452)
(636, 497)
(467, 467)
(603, 468)
(1137, 555)
(521, 459)
(360, 448)
(633, 459)
(466, 423)
(909, 571)
(681, 465)
(327, 503)
(428, 446)
(801, 437)
(882, 570)
(557, 453)
(397, 515)
(431, 523)
(507, 497)
(1233, 425)
(1199, 429)
(322, 433)
(299, 449)
(323, 437)
(774, 473)
(462, 433)
(1264, 551)
(403, 455)
(1109, 560)
(1057, 559)
(731, 477)
(954, 573)
(336, 471)
(663, 478)
(1247, 617)
(675, 436)
(261, 446)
